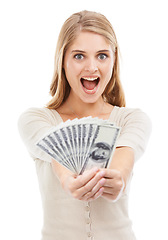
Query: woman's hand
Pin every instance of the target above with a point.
(86, 187)
(118, 173)
(114, 185)
(108, 183)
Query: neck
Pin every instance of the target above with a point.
(82, 109)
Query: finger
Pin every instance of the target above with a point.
(110, 190)
(98, 185)
(113, 183)
(91, 187)
(112, 197)
(109, 183)
(95, 191)
(94, 184)
(96, 195)
(113, 194)
(111, 173)
(82, 180)
(109, 196)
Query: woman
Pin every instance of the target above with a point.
(86, 82)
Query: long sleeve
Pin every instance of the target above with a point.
(135, 129)
(32, 125)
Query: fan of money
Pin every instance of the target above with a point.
(81, 144)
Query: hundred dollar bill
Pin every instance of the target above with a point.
(45, 145)
(102, 147)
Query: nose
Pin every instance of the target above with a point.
(91, 65)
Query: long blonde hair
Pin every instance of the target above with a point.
(92, 22)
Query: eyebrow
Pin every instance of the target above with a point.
(81, 51)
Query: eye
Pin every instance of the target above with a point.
(102, 56)
(79, 56)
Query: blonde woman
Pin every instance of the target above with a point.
(86, 82)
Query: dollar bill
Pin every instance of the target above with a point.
(101, 149)
(81, 144)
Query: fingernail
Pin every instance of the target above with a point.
(102, 181)
(102, 173)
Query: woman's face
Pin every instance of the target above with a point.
(88, 65)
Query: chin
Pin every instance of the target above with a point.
(90, 99)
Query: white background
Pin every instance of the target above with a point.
(29, 31)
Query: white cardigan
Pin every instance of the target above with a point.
(66, 218)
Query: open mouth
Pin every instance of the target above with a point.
(90, 83)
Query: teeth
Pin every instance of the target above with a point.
(90, 78)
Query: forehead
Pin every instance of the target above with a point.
(89, 41)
